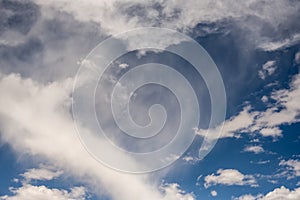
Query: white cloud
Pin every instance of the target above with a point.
(214, 193)
(251, 16)
(261, 162)
(264, 99)
(229, 177)
(282, 193)
(254, 149)
(281, 44)
(276, 194)
(297, 58)
(247, 197)
(267, 123)
(273, 132)
(40, 174)
(123, 65)
(233, 126)
(190, 159)
(292, 165)
(276, 115)
(38, 123)
(173, 192)
(267, 69)
(29, 192)
(49, 104)
(285, 110)
(104, 12)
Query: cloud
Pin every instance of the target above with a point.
(44, 129)
(254, 149)
(261, 162)
(285, 110)
(233, 126)
(213, 193)
(292, 170)
(29, 192)
(173, 192)
(229, 177)
(190, 159)
(276, 194)
(273, 132)
(48, 44)
(49, 50)
(123, 65)
(255, 18)
(264, 99)
(267, 69)
(281, 44)
(286, 99)
(19, 16)
(297, 58)
(247, 197)
(40, 174)
(293, 166)
(282, 193)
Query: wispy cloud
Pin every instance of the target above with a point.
(54, 138)
(281, 44)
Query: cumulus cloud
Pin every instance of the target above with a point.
(173, 192)
(29, 192)
(271, 131)
(233, 126)
(214, 193)
(267, 69)
(264, 99)
(40, 174)
(276, 194)
(293, 167)
(254, 149)
(274, 116)
(229, 177)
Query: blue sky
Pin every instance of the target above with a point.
(254, 44)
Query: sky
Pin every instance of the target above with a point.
(227, 101)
